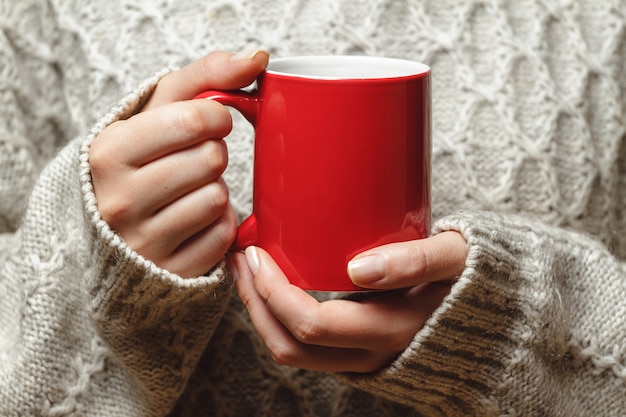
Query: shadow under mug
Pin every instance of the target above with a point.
(341, 161)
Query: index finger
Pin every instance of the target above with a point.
(217, 70)
(149, 136)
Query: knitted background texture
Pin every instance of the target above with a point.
(529, 119)
(528, 95)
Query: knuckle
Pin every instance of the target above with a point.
(143, 245)
(216, 156)
(221, 118)
(208, 61)
(211, 68)
(191, 120)
(168, 82)
(219, 194)
(417, 259)
(227, 230)
(101, 155)
(204, 118)
(417, 254)
(116, 210)
(223, 231)
(282, 354)
(308, 332)
(98, 159)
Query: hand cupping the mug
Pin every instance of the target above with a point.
(157, 175)
(344, 335)
(157, 179)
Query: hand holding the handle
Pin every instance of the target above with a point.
(157, 176)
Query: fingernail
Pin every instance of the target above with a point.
(366, 269)
(248, 54)
(252, 257)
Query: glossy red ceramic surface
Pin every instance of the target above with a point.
(341, 165)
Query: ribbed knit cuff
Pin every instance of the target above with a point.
(534, 326)
(117, 258)
(152, 319)
(456, 362)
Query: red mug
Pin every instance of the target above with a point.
(341, 161)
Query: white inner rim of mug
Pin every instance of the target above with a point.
(345, 67)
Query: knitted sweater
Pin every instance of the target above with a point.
(529, 164)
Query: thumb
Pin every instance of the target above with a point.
(217, 70)
(407, 264)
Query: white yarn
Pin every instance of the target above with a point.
(529, 117)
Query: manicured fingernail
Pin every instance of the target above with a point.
(252, 257)
(249, 54)
(366, 269)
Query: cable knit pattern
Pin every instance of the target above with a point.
(529, 163)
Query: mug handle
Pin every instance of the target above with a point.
(246, 103)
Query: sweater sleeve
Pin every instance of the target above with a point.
(538, 313)
(87, 326)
